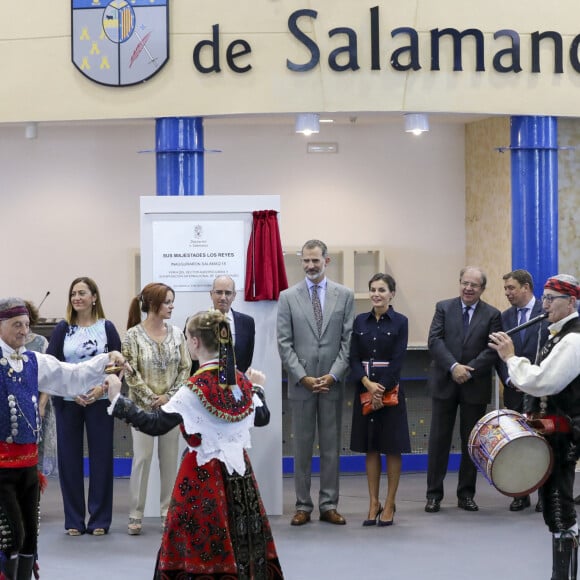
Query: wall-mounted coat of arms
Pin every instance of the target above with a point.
(120, 42)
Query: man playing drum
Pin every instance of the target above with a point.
(555, 379)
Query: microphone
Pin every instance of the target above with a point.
(45, 297)
(526, 324)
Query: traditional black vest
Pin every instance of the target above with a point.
(567, 401)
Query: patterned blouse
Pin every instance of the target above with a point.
(84, 342)
(161, 367)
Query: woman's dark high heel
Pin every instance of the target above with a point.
(374, 521)
(384, 523)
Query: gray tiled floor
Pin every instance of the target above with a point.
(452, 544)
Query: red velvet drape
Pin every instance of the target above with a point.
(265, 269)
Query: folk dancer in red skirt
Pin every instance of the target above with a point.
(216, 526)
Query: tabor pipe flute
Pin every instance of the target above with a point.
(530, 322)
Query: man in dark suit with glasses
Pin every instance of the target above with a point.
(243, 326)
(460, 378)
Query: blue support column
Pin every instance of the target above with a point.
(534, 170)
(180, 155)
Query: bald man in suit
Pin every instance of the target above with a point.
(315, 319)
(243, 326)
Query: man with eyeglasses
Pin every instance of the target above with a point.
(555, 381)
(519, 290)
(315, 319)
(243, 327)
(460, 377)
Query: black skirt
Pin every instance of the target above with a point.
(384, 431)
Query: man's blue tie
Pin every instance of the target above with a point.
(466, 320)
(522, 317)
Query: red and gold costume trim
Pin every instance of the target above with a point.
(13, 455)
(222, 402)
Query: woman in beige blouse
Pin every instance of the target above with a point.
(158, 355)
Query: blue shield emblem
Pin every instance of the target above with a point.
(120, 42)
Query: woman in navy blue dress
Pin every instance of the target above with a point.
(378, 346)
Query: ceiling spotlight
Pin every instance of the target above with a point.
(416, 123)
(31, 130)
(307, 123)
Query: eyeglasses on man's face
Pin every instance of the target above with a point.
(227, 293)
(473, 285)
(549, 298)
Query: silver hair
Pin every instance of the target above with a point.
(7, 303)
(477, 269)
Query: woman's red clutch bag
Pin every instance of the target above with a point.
(390, 399)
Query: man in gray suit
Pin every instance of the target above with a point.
(315, 319)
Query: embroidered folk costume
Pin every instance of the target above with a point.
(21, 373)
(554, 382)
(216, 526)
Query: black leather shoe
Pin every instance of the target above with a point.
(433, 505)
(467, 504)
(577, 499)
(540, 505)
(520, 503)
